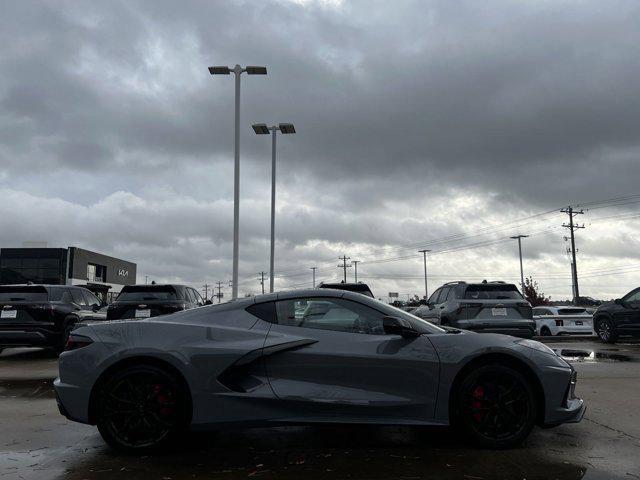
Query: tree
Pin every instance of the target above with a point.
(533, 294)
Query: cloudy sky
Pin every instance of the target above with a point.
(429, 124)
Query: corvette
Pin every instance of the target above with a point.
(307, 357)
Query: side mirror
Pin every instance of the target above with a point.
(208, 302)
(430, 305)
(95, 307)
(399, 326)
(619, 301)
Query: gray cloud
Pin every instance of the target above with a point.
(416, 120)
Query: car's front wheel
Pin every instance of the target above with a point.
(606, 331)
(495, 406)
(545, 332)
(141, 408)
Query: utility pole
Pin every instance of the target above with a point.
(426, 288)
(344, 266)
(519, 238)
(355, 268)
(572, 227)
(206, 291)
(146, 279)
(262, 274)
(219, 287)
(314, 276)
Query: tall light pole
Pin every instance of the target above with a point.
(519, 238)
(237, 70)
(314, 276)
(263, 129)
(355, 268)
(426, 288)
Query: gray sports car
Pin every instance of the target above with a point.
(307, 357)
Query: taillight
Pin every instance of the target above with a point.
(46, 307)
(559, 323)
(76, 341)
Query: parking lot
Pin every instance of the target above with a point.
(37, 442)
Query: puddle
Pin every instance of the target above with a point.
(591, 356)
(27, 389)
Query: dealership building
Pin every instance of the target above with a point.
(100, 273)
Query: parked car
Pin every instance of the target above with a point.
(307, 356)
(618, 318)
(144, 301)
(488, 307)
(359, 287)
(43, 315)
(562, 320)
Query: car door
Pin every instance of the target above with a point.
(628, 317)
(346, 366)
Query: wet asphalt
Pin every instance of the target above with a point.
(36, 442)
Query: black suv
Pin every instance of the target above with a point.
(620, 317)
(43, 315)
(144, 301)
(359, 287)
(490, 307)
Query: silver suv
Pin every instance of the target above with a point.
(490, 307)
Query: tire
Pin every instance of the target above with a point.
(545, 332)
(141, 409)
(606, 331)
(495, 407)
(69, 325)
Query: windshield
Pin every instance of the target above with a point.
(23, 294)
(492, 292)
(571, 311)
(396, 312)
(146, 294)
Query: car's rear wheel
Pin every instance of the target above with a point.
(606, 331)
(141, 409)
(495, 407)
(545, 332)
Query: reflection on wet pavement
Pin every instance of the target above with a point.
(329, 452)
(27, 388)
(592, 356)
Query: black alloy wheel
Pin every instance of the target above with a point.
(496, 406)
(606, 332)
(141, 408)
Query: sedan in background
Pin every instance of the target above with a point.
(144, 301)
(317, 356)
(562, 320)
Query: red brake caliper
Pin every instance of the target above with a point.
(163, 399)
(478, 394)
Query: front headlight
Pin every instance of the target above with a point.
(541, 347)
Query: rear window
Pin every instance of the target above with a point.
(571, 311)
(489, 291)
(147, 293)
(23, 294)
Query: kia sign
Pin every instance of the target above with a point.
(123, 273)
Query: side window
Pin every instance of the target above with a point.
(443, 295)
(90, 298)
(66, 296)
(188, 295)
(198, 297)
(55, 294)
(76, 293)
(633, 297)
(434, 296)
(330, 314)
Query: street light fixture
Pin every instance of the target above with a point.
(237, 70)
(519, 238)
(263, 129)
